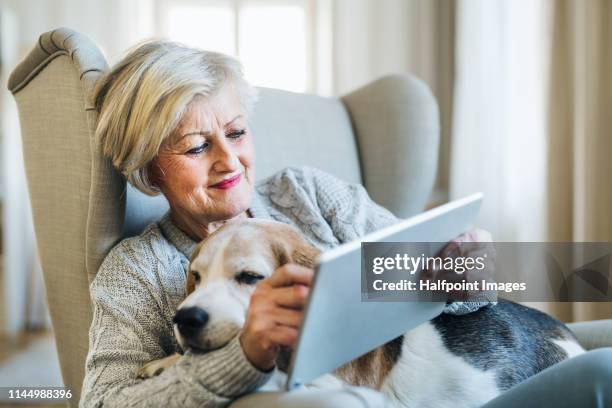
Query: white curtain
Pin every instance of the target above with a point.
(372, 38)
(112, 25)
(499, 127)
(580, 133)
(20, 267)
(532, 122)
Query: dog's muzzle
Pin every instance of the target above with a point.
(190, 321)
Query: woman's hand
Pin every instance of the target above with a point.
(275, 314)
(472, 244)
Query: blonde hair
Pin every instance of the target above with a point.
(142, 99)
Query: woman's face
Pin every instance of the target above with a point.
(206, 168)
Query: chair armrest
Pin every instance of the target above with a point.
(348, 397)
(593, 334)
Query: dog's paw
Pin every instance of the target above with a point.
(152, 369)
(156, 367)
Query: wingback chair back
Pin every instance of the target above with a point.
(384, 135)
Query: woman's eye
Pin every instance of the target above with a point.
(248, 277)
(199, 149)
(237, 134)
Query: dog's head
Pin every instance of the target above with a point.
(223, 272)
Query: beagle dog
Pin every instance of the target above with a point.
(452, 360)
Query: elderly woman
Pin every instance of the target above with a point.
(174, 120)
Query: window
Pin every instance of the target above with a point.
(272, 38)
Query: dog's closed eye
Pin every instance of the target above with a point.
(248, 277)
(196, 276)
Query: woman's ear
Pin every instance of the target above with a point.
(153, 173)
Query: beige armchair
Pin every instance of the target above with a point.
(82, 206)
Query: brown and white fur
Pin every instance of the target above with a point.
(450, 361)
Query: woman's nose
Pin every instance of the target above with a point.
(225, 160)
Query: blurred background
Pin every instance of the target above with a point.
(524, 89)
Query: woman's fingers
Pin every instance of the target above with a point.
(279, 305)
(287, 317)
(472, 243)
(275, 314)
(290, 274)
(293, 297)
(284, 336)
(474, 261)
(474, 235)
(288, 286)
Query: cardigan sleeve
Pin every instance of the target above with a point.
(351, 213)
(127, 331)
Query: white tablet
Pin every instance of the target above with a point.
(338, 326)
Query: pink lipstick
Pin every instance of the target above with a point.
(228, 183)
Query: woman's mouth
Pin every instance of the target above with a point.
(228, 183)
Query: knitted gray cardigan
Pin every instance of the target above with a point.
(142, 281)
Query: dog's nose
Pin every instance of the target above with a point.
(190, 320)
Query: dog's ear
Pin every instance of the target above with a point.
(190, 278)
(281, 253)
(305, 254)
(293, 247)
(190, 282)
